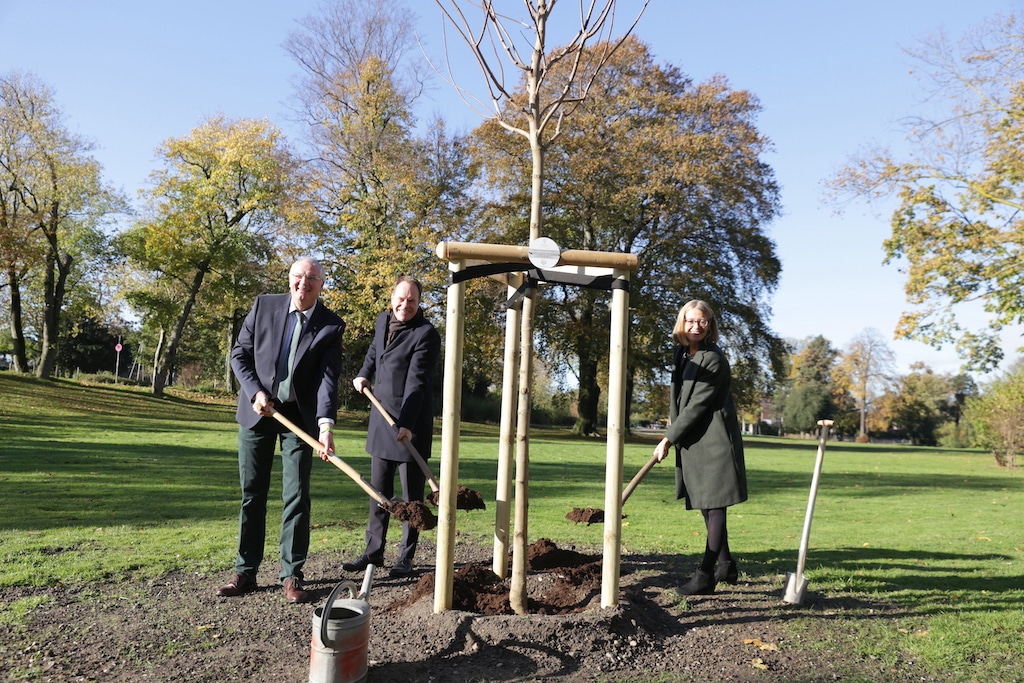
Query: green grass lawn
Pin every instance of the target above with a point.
(109, 483)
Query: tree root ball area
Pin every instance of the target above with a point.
(172, 628)
(572, 578)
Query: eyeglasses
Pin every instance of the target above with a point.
(298, 277)
(699, 323)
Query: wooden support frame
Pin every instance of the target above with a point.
(590, 263)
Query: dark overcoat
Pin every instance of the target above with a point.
(317, 359)
(710, 470)
(402, 380)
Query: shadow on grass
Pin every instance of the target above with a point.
(865, 583)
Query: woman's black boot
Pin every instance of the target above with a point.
(702, 583)
(727, 572)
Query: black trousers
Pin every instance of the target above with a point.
(382, 478)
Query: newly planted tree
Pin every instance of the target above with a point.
(529, 108)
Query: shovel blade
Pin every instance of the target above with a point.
(796, 584)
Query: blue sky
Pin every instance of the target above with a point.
(832, 77)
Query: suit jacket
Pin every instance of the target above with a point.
(402, 380)
(317, 359)
(710, 469)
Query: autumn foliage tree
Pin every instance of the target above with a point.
(53, 206)
(868, 367)
(385, 188)
(215, 217)
(959, 224)
(810, 392)
(997, 416)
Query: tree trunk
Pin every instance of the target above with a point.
(54, 285)
(230, 338)
(517, 588)
(587, 352)
(590, 397)
(18, 350)
(164, 370)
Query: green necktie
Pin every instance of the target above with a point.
(284, 388)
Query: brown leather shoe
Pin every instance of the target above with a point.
(293, 590)
(240, 584)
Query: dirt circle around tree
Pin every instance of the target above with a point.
(175, 629)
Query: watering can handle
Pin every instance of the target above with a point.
(346, 585)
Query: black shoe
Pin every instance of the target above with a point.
(727, 572)
(401, 568)
(361, 563)
(702, 583)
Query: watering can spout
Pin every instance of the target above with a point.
(364, 589)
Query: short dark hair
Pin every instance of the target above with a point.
(412, 281)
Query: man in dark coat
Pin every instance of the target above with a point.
(288, 355)
(400, 362)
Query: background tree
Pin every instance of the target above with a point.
(958, 223)
(811, 387)
(869, 365)
(215, 217)
(924, 401)
(89, 346)
(53, 205)
(385, 190)
(997, 415)
(963, 387)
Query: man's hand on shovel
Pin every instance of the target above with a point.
(263, 405)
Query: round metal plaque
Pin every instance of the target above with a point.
(544, 253)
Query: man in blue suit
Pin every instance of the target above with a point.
(288, 356)
(400, 362)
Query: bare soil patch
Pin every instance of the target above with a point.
(175, 629)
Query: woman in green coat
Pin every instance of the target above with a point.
(703, 427)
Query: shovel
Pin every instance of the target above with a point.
(796, 583)
(593, 515)
(467, 499)
(422, 519)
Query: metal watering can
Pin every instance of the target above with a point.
(339, 647)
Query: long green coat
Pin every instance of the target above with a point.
(710, 471)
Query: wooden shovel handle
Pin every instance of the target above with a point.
(408, 446)
(628, 491)
(335, 460)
